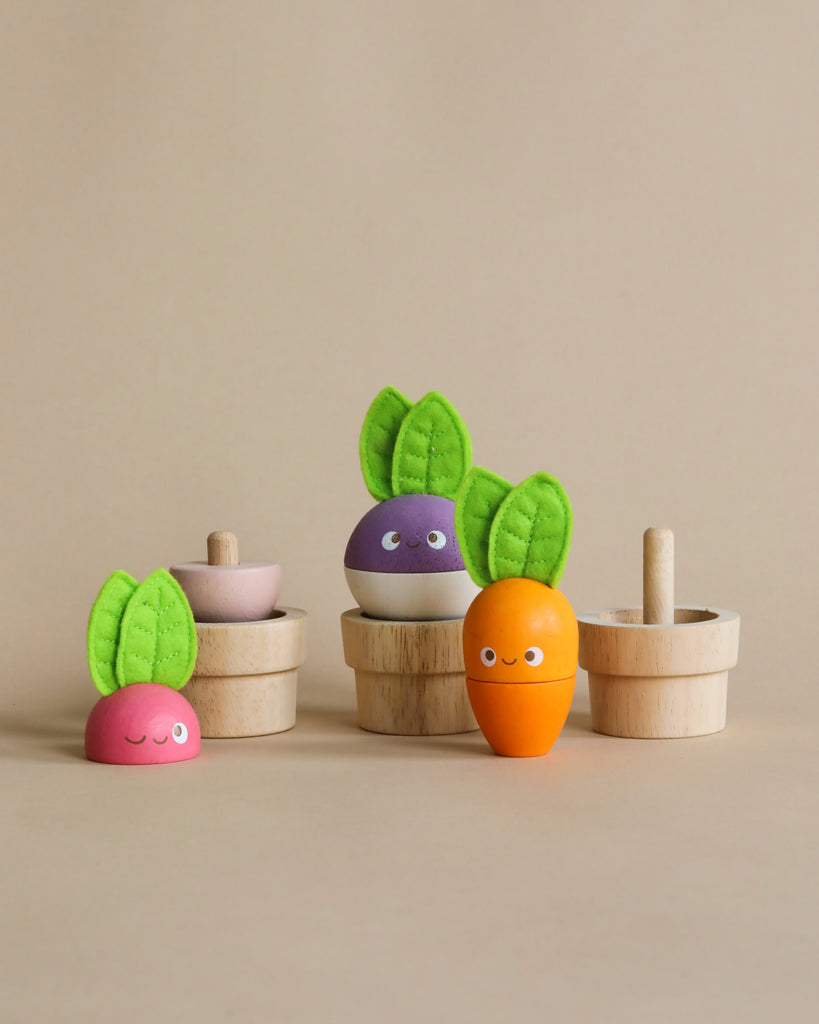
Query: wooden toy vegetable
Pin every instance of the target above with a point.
(223, 589)
(405, 569)
(141, 651)
(402, 560)
(245, 679)
(520, 633)
(658, 672)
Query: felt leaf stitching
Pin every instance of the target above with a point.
(433, 451)
(476, 504)
(532, 530)
(158, 635)
(377, 440)
(104, 624)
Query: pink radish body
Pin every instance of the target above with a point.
(144, 723)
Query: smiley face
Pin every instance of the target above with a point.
(143, 723)
(410, 533)
(532, 656)
(520, 631)
(179, 734)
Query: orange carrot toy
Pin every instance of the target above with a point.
(520, 634)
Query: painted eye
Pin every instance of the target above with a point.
(533, 656)
(488, 656)
(436, 539)
(390, 541)
(179, 732)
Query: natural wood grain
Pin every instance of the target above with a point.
(223, 548)
(658, 681)
(234, 706)
(410, 677)
(244, 681)
(251, 648)
(658, 707)
(658, 576)
(660, 671)
(616, 642)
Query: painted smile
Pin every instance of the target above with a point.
(413, 545)
(160, 742)
(135, 742)
(512, 662)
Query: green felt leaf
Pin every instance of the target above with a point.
(476, 504)
(532, 531)
(104, 628)
(377, 440)
(158, 636)
(433, 452)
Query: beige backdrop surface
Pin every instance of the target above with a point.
(224, 228)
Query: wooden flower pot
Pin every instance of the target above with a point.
(658, 672)
(655, 681)
(244, 682)
(409, 676)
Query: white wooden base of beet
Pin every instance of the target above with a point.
(244, 682)
(412, 596)
(410, 677)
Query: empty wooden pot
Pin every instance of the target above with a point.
(658, 672)
(409, 676)
(245, 678)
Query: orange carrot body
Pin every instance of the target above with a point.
(521, 719)
(520, 650)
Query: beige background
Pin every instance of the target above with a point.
(224, 228)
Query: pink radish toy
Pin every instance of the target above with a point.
(145, 723)
(141, 651)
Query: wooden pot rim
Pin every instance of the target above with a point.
(370, 622)
(615, 641)
(269, 645)
(403, 646)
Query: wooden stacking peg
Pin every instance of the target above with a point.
(660, 671)
(223, 548)
(249, 650)
(658, 577)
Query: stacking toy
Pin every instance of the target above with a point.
(405, 569)
(249, 650)
(141, 651)
(223, 589)
(409, 676)
(520, 633)
(658, 672)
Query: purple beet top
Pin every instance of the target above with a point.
(409, 533)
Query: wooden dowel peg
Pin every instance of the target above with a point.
(223, 548)
(658, 577)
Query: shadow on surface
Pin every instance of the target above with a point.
(359, 744)
(335, 717)
(579, 723)
(328, 729)
(51, 735)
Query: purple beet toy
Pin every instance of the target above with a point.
(141, 651)
(405, 570)
(402, 560)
